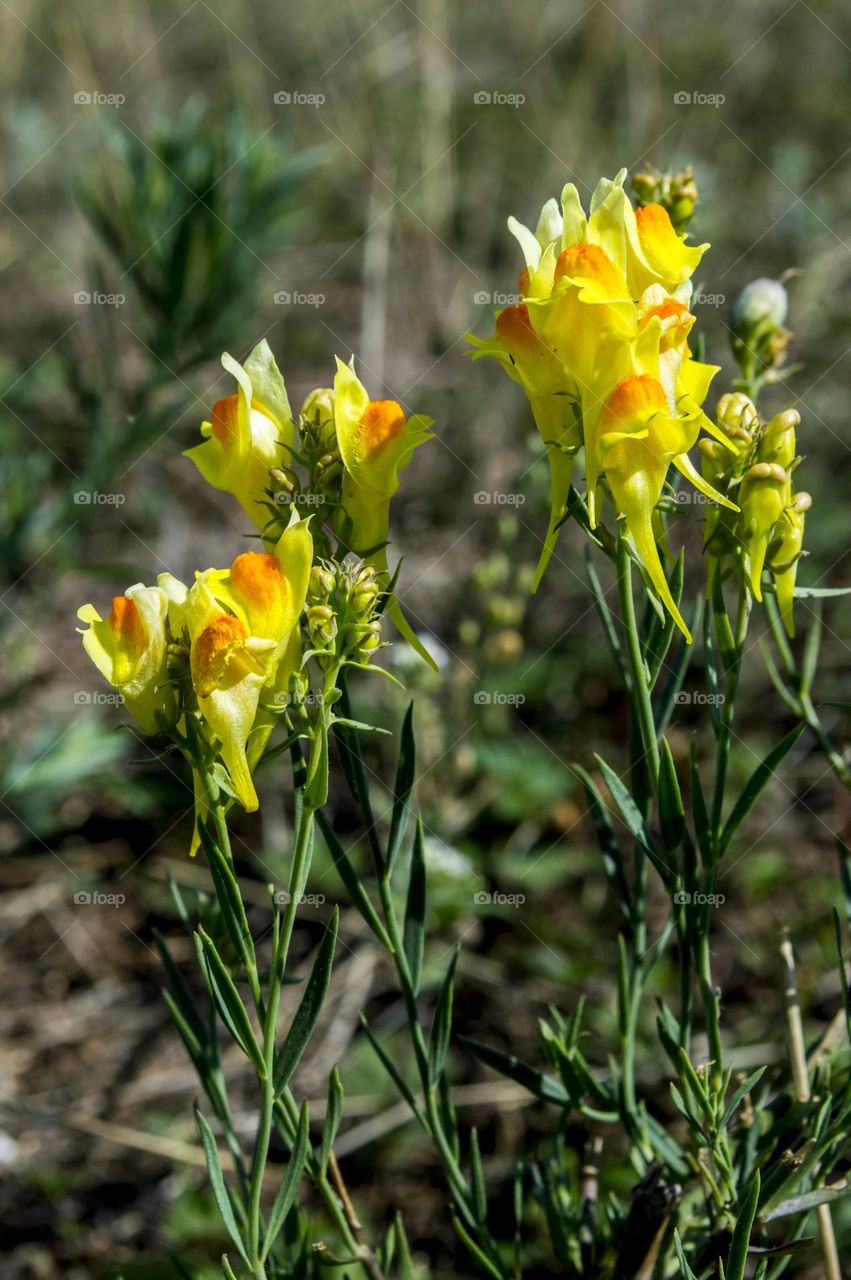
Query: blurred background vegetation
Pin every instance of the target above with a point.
(338, 180)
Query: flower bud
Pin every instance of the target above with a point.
(323, 625)
(761, 306)
(763, 496)
(778, 440)
(320, 585)
(785, 554)
(737, 415)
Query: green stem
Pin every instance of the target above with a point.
(639, 693)
(298, 875)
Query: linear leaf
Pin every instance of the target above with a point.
(755, 785)
(514, 1068)
(333, 1115)
(220, 1191)
(632, 816)
(229, 896)
(289, 1055)
(352, 881)
(738, 1256)
(285, 1198)
(402, 788)
(414, 930)
(226, 997)
(613, 864)
(441, 1026)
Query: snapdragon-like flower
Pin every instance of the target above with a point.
(249, 432)
(600, 346)
(128, 647)
(244, 645)
(376, 441)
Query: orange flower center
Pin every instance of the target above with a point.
(225, 418)
(257, 579)
(126, 624)
(214, 651)
(588, 262)
(633, 400)
(382, 421)
(514, 327)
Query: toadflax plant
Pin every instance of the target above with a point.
(738, 1173)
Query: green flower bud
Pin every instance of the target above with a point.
(737, 415)
(762, 305)
(778, 439)
(763, 495)
(320, 585)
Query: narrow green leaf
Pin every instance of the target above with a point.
(672, 814)
(820, 593)
(686, 1272)
(352, 881)
(699, 811)
(507, 1064)
(289, 1055)
(746, 1087)
(178, 988)
(469, 1243)
(414, 930)
(738, 1257)
(229, 897)
(605, 615)
(402, 789)
(441, 1026)
(285, 1199)
(220, 1191)
(226, 998)
(477, 1177)
(662, 633)
(634, 820)
(613, 863)
(667, 699)
(391, 1069)
(333, 1115)
(755, 785)
(808, 1200)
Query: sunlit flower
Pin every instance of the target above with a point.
(376, 441)
(128, 647)
(249, 432)
(242, 626)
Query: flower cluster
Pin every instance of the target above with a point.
(599, 343)
(217, 663)
(768, 531)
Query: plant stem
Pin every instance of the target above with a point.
(640, 692)
(298, 875)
